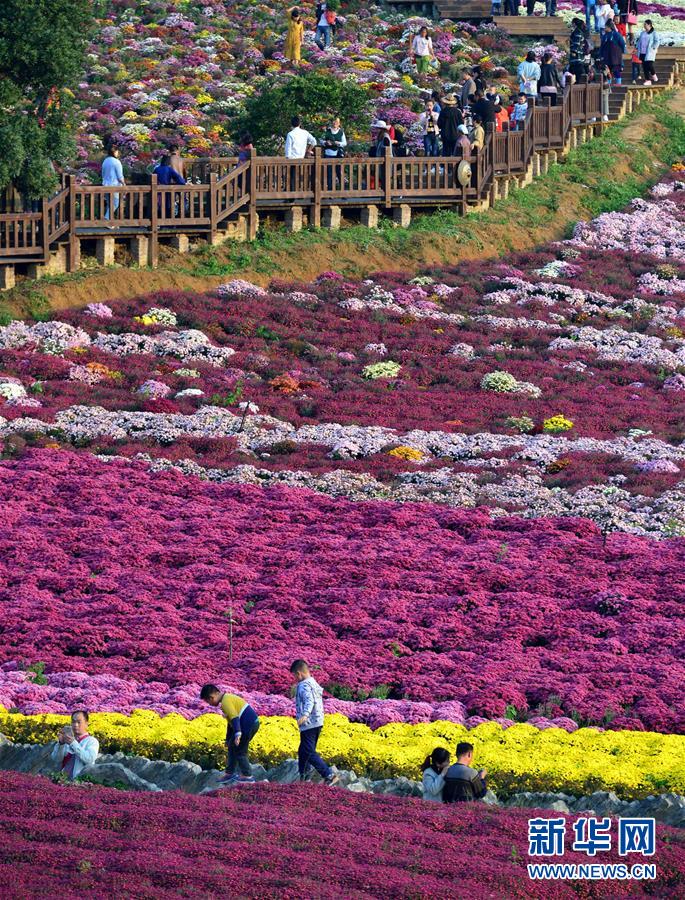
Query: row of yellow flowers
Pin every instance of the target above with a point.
(521, 758)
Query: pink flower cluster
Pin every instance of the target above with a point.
(110, 570)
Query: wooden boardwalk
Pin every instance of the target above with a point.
(224, 199)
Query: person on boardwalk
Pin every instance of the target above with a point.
(243, 725)
(112, 176)
(295, 37)
(628, 9)
(549, 83)
(467, 87)
(176, 161)
(647, 45)
(501, 117)
(612, 48)
(298, 140)
(449, 120)
(430, 130)
(579, 48)
(310, 717)
(462, 782)
(478, 135)
(165, 172)
(245, 147)
(634, 66)
(434, 768)
(75, 748)
(519, 113)
(604, 13)
(166, 176)
(529, 75)
(463, 147)
(591, 10)
(383, 138)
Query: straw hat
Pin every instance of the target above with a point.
(449, 100)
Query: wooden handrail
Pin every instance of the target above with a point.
(228, 186)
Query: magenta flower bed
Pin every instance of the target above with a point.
(279, 841)
(108, 569)
(304, 363)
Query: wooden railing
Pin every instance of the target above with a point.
(219, 188)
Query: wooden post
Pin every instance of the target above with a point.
(549, 124)
(74, 259)
(387, 177)
(212, 207)
(315, 212)
(252, 187)
(154, 228)
(44, 225)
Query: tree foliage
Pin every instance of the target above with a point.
(316, 97)
(42, 47)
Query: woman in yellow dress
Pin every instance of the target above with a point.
(295, 38)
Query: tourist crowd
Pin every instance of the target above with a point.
(454, 124)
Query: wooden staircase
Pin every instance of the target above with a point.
(625, 97)
(552, 27)
(463, 10)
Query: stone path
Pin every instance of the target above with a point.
(140, 774)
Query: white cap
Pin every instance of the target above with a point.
(380, 124)
(463, 129)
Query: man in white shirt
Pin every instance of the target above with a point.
(296, 143)
(298, 140)
(75, 748)
(112, 176)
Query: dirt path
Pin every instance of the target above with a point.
(550, 206)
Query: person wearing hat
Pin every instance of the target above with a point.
(383, 138)
(463, 142)
(449, 120)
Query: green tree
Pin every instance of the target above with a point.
(316, 97)
(42, 47)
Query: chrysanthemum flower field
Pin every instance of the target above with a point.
(460, 495)
(320, 844)
(161, 71)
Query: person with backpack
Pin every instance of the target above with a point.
(434, 768)
(462, 782)
(310, 718)
(326, 17)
